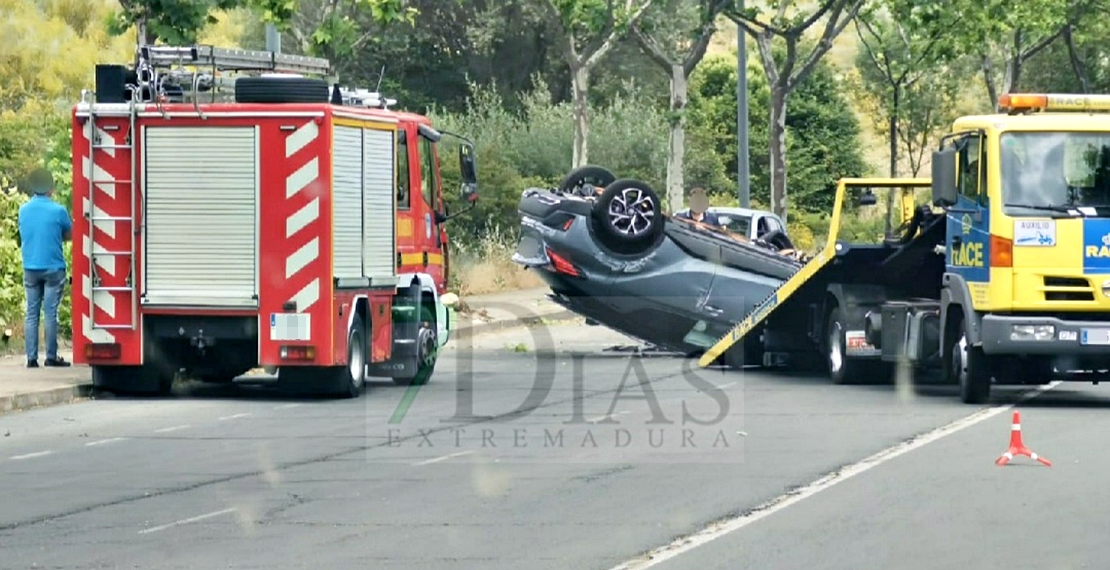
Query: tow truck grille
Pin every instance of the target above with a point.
(1067, 289)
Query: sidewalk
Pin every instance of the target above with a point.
(22, 388)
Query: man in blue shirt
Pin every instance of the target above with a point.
(43, 225)
(699, 204)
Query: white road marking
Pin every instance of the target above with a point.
(719, 529)
(443, 458)
(186, 521)
(171, 428)
(286, 406)
(730, 384)
(599, 418)
(30, 455)
(235, 416)
(103, 441)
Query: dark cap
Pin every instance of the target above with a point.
(40, 181)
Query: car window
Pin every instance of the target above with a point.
(736, 224)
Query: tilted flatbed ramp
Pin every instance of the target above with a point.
(811, 269)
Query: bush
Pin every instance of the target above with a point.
(52, 146)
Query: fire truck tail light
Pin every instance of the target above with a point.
(298, 353)
(102, 351)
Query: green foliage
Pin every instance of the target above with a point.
(532, 148)
(173, 21)
(899, 75)
(822, 132)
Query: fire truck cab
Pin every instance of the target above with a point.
(299, 227)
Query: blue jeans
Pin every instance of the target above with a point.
(44, 293)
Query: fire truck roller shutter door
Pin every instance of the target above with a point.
(347, 202)
(201, 231)
(379, 205)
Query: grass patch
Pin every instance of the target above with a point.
(485, 265)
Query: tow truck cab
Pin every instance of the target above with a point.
(1026, 290)
(1005, 279)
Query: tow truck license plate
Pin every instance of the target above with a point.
(1095, 336)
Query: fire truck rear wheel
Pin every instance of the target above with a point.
(281, 90)
(351, 379)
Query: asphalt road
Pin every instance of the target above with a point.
(507, 460)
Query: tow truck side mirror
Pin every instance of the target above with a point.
(944, 177)
(469, 172)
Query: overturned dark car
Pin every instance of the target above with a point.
(610, 254)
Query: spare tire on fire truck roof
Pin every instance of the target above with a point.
(279, 89)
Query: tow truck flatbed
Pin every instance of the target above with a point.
(851, 276)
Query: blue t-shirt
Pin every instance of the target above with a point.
(42, 223)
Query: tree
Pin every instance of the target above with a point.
(678, 51)
(900, 71)
(1002, 36)
(590, 29)
(173, 21)
(785, 74)
(824, 143)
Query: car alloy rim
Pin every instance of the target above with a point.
(631, 211)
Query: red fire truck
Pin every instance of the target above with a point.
(297, 227)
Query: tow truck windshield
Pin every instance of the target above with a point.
(1061, 174)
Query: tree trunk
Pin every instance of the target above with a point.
(580, 85)
(894, 135)
(777, 145)
(676, 158)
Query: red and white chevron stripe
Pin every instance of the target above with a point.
(110, 168)
(303, 190)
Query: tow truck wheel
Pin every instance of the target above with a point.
(842, 369)
(969, 368)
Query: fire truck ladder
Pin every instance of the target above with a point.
(98, 148)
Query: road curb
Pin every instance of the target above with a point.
(465, 333)
(44, 398)
(66, 394)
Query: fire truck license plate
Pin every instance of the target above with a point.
(1095, 336)
(290, 326)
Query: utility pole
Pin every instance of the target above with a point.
(743, 177)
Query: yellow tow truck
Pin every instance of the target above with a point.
(1003, 279)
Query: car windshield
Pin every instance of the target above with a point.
(736, 224)
(1055, 171)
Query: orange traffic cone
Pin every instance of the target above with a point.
(1017, 447)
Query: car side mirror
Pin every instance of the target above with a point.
(944, 177)
(469, 173)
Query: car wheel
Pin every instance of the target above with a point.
(629, 216)
(778, 239)
(595, 176)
